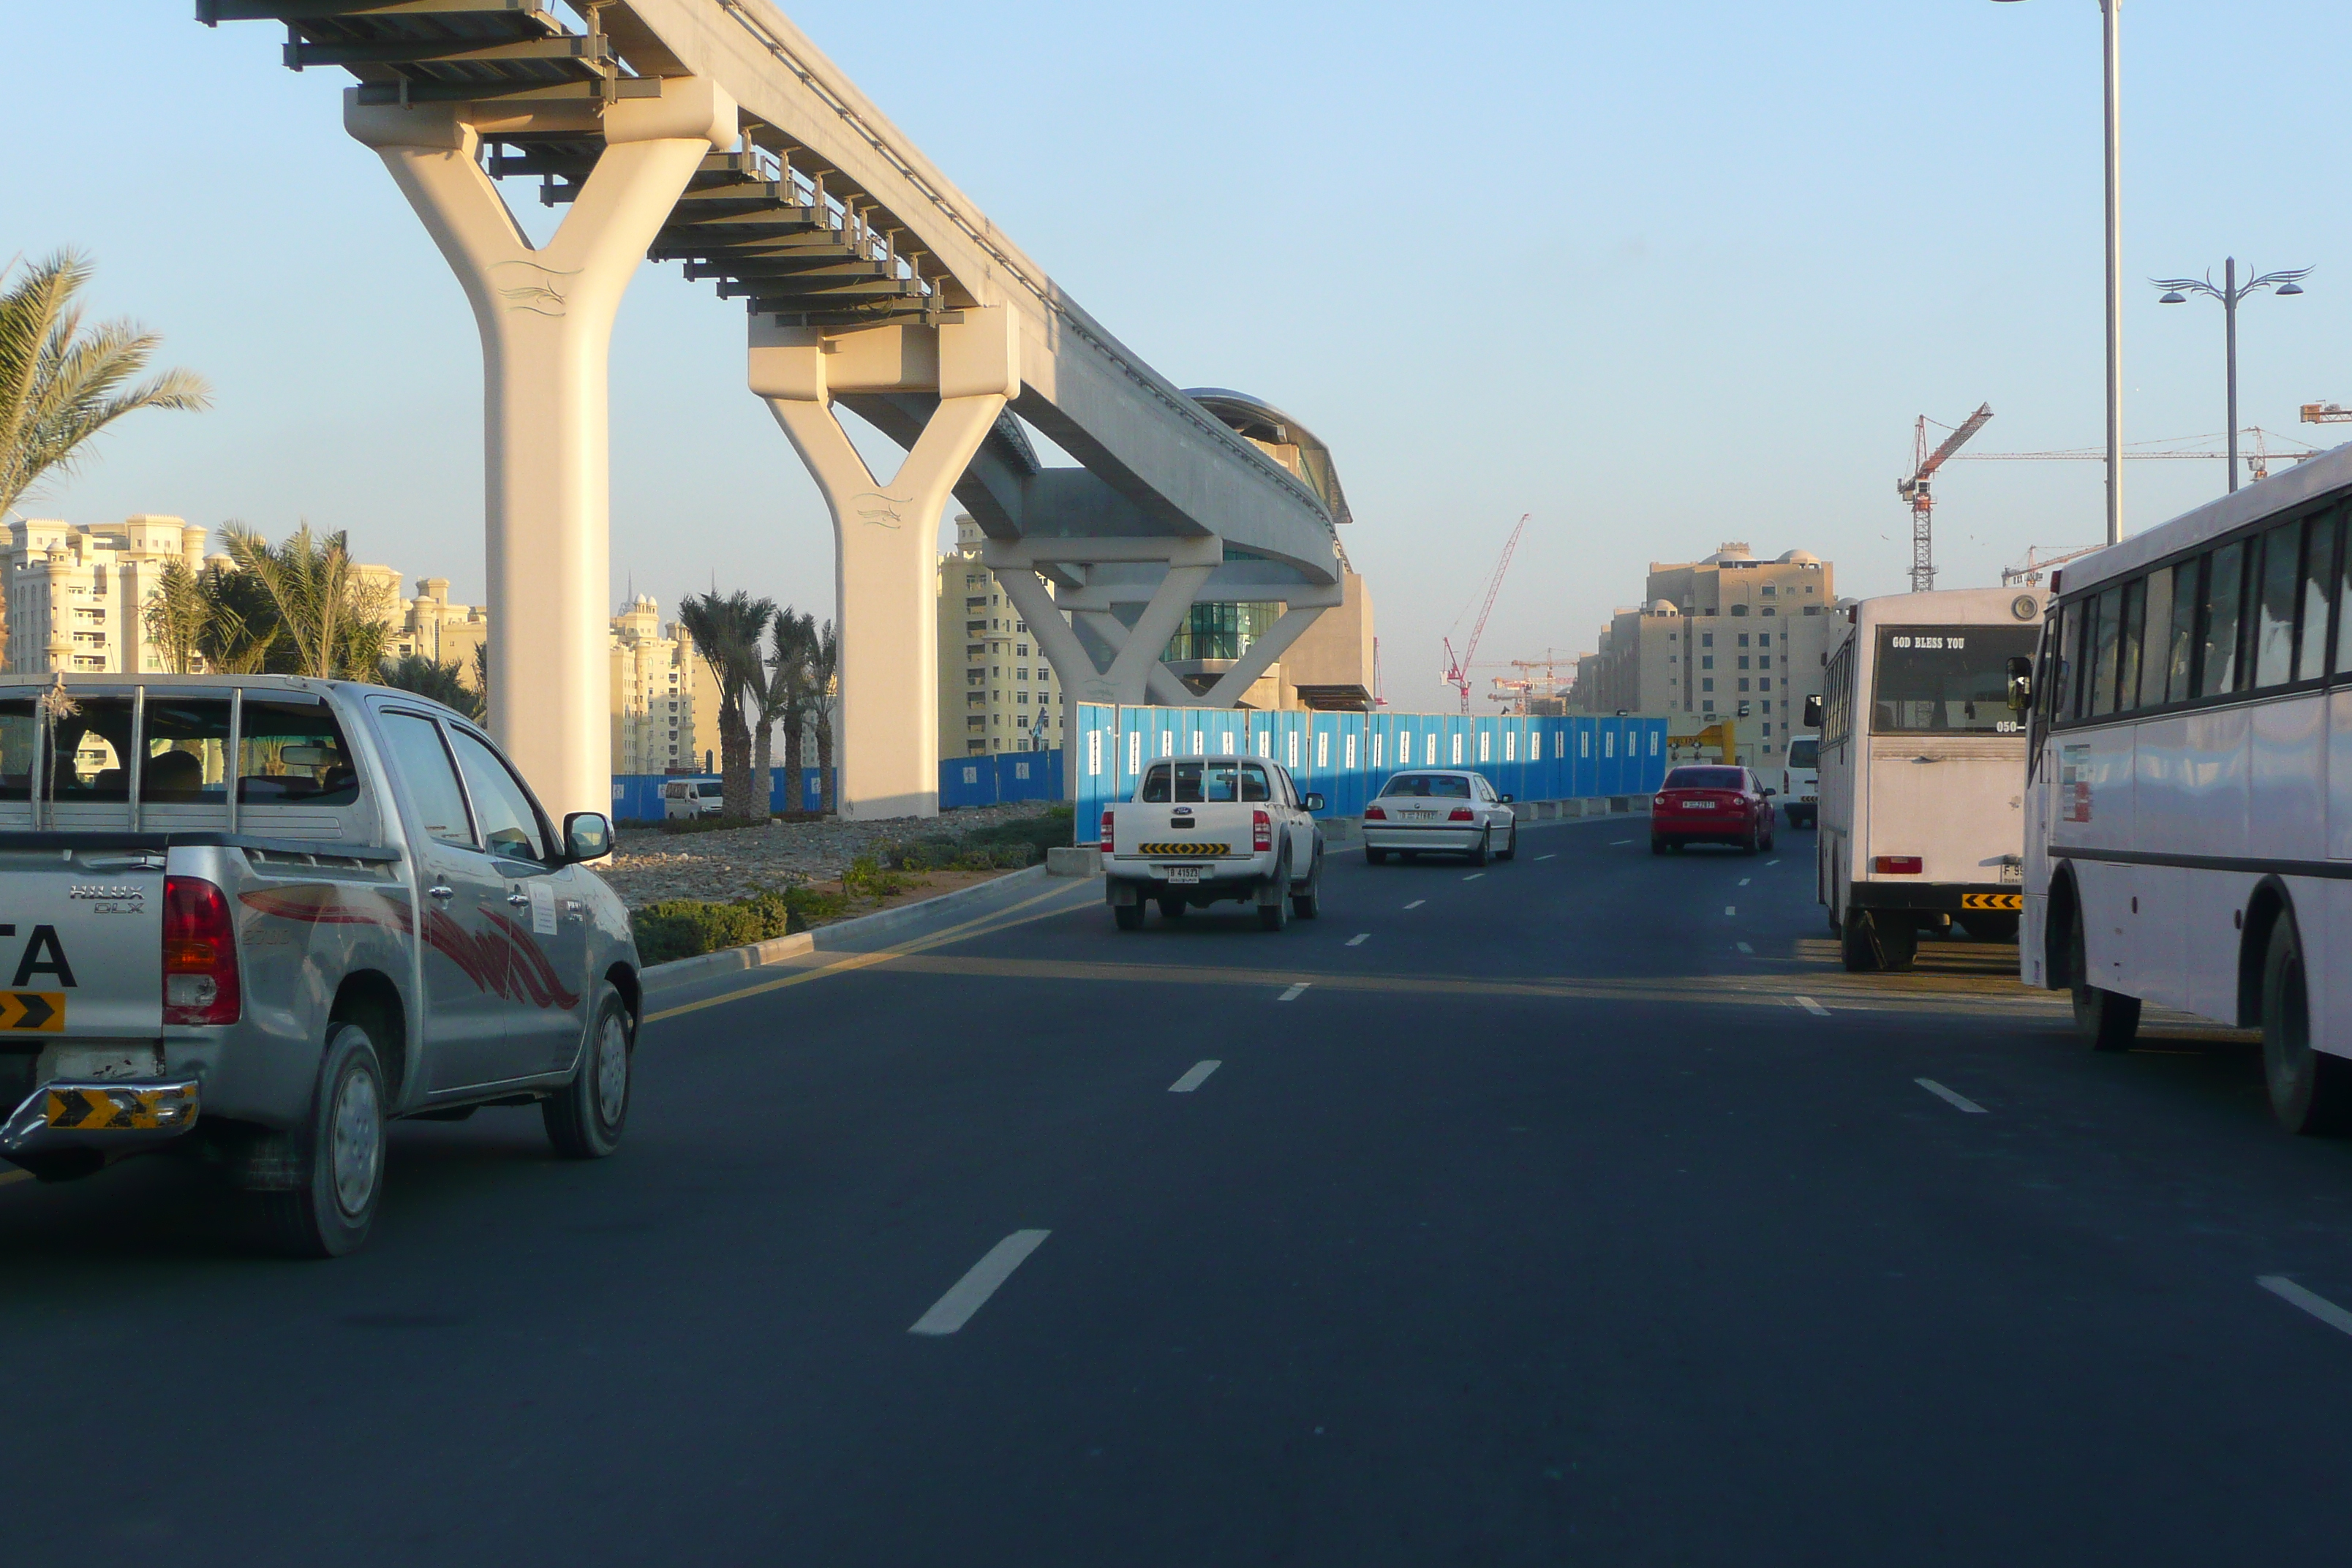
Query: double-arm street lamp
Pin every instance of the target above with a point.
(2109, 10)
(2177, 291)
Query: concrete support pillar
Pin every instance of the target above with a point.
(886, 534)
(545, 316)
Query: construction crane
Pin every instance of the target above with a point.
(1457, 666)
(2031, 572)
(2259, 456)
(1914, 489)
(2324, 413)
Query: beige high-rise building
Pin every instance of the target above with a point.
(77, 595)
(995, 685)
(660, 681)
(431, 626)
(1730, 636)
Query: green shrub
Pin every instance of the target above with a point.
(681, 928)
(866, 879)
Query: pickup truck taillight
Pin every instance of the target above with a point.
(1460, 814)
(1898, 865)
(200, 984)
(1374, 814)
(1261, 831)
(1105, 830)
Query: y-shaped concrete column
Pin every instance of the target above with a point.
(546, 322)
(885, 535)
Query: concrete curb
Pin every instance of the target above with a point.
(755, 955)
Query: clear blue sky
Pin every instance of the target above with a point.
(1662, 276)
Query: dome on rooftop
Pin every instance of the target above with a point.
(1665, 607)
(1800, 558)
(1732, 550)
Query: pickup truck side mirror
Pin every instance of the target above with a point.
(1770, 792)
(2020, 684)
(587, 836)
(1813, 712)
(1313, 803)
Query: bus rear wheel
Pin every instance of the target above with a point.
(2108, 1020)
(2311, 1092)
(1873, 939)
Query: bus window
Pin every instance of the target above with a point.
(2063, 638)
(2187, 593)
(2105, 622)
(2128, 644)
(1947, 679)
(2319, 592)
(2155, 640)
(2273, 606)
(2218, 619)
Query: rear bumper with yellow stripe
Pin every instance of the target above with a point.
(104, 1114)
(1938, 897)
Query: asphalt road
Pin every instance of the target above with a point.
(1543, 1225)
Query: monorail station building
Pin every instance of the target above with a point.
(1730, 636)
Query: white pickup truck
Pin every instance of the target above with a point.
(1202, 830)
(259, 917)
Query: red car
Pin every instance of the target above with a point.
(1711, 804)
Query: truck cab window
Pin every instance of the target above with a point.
(510, 822)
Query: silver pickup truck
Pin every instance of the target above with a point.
(376, 922)
(1201, 829)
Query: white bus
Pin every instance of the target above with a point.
(1923, 770)
(2189, 810)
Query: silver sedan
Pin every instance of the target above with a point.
(1443, 812)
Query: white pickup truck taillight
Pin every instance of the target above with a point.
(1105, 830)
(200, 981)
(1261, 831)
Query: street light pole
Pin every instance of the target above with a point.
(2110, 21)
(2177, 291)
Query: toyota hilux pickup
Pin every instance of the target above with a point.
(257, 918)
(1203, 829)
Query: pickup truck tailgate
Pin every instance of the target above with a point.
(1173, 832)
(81, 943)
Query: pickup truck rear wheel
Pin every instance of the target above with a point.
(586, 1117)
(1274, 914)
(341, 1150)
(1128, 916)
(1309, 903)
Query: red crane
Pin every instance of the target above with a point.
(1457, 666)
(1915, 490)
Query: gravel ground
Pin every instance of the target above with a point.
(649, 866)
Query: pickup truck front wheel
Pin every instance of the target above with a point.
(586, 1117)
(340, 1152)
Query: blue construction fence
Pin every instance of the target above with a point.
(1346, 757)
(637, 797)
(988, 780)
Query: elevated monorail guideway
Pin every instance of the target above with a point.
(712, 133)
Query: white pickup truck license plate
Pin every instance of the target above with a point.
(1183, 873)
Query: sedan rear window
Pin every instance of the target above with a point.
(1445, 786)
(1707, 778)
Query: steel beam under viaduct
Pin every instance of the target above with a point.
(712, 133)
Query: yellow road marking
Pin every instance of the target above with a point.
(851, 961)
(10, 1178)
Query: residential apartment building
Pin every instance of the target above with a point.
(997, 692)
(432, 627)
(1730, 636)
(660, 681)
(77, 595)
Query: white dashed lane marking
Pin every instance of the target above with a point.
(1474, 875)
(1616, 842)
(1416, 903)
(1361, 938)
(1293, 994)
(1552, 857)
(971, 1293)
(1809, 1005)
(1745, 880)
(1731, 909)
(1771, 862)
(2318, 1306)
(1745, 948)
(1956, 1101)
(1195, 1078)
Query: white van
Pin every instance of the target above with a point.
(692, 797)
(1801, 781)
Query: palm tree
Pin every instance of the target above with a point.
(444, 683)
(334, 622)
(727, 632)
(177, 615)
(825, 671)
(791, 642)
(210, 619)
(60, 386)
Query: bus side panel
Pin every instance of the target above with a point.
(2339, 774)
(2287, 779)
(2162, 805)
(2215, 824)
(2096, 814)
